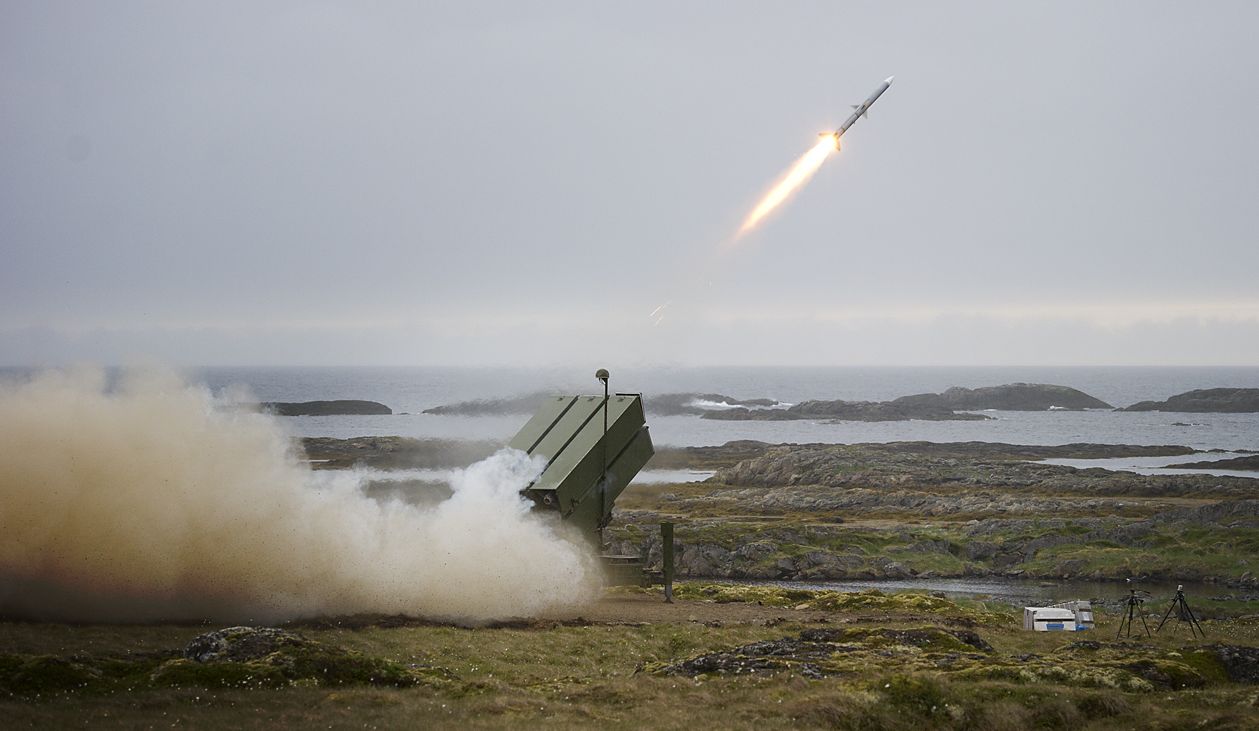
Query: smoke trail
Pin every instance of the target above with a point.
(148, 502)
(791, 181)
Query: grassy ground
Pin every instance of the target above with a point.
(611, 669)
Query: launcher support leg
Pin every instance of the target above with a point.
(666, 550)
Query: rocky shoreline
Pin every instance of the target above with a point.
(813, 512)
(1206, 401)
(342, 407)
(921, 510)
(951, 404)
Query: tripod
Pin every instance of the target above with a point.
(1183, 614)
(1133, 603)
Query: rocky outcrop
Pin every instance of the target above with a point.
(971, 466)
(698, 404)
(814, 653)
(818, 512)
(1206, 401)
(393, 452)
(668, 404)
(897, 410)
(1241, 663)
(1020, 397)
(526, 404)
(241, 644)
(344, 407)
(953, 404)
(1249, 462)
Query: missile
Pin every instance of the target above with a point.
(858, 111)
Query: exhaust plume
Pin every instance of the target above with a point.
(147, 501)
(790, 182)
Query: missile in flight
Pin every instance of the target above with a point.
(858, 111)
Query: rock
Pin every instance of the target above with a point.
(813, 652)
(1021, 397)
(676, 404)
(241, 644)
(848, 411)
(393, 452)
(1249, 462)
(345, 407)
(979, 550)
(526, 404)
(1071, 567)
(668, 404)
(1241, 663)
(950, 405)
(702, 560)
(1206, 401)
(251, 657)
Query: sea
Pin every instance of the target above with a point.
(411, 390)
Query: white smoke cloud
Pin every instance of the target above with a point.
(146, 501)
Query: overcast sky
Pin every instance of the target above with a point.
(495, 183)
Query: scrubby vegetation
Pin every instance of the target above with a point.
(895, 511)
(722, 656)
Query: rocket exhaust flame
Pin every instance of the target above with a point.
(791, 181)
(804, 168)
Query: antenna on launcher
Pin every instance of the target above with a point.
(603, 375)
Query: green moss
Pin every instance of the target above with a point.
(1168, 674)
(1203, 662)
(765, 594)
(306, 663)
(930, 639)
(184, 673)
(837, 601)
(43, 674)
(916, 694)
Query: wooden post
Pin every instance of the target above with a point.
(666, 541)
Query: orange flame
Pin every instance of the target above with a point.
(793, 180)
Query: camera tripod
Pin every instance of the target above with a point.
(1183, 614)
(1133, 602)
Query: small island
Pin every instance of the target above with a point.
(955, 404)
(668, 404)
(1206, 401)
(345, 407)
(1245, 463)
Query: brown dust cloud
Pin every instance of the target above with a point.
(150, 499)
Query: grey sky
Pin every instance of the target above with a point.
(348, 183)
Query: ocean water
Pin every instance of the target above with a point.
(411, 390)
(408, 391)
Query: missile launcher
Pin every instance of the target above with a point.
(593, 446)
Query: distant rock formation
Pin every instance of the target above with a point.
(526, 404)
(668, 404)
(952, 405)
(1019, 397)
(1206, 401)
(697, 404)
(393, 453)
(948, 406)
(898, 410)
(326, 408)
(1248, 463)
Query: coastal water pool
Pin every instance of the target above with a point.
(1023, 592)
(1158, 465)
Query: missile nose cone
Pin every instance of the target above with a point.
(888, 80)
